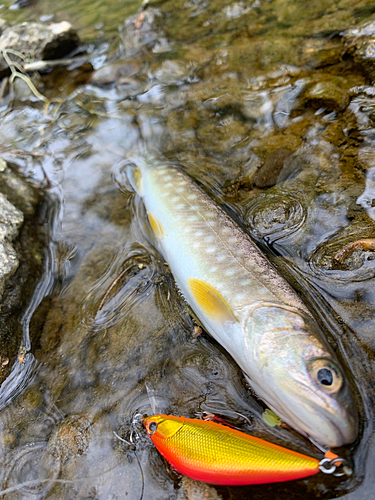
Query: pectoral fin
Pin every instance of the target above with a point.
(156, 226)
(135, 177)
(211, 301)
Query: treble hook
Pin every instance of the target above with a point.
(330, 466)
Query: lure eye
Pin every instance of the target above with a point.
(326, 375)
(152, 427)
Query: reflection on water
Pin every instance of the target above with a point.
(251, 99)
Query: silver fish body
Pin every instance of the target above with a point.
(247, 306)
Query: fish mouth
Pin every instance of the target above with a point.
(332, 427)
(331, 432)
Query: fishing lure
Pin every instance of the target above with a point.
(216, 454)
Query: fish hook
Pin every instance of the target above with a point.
(330, 466)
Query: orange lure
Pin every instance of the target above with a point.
(217, 454)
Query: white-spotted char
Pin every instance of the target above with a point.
(246, 305)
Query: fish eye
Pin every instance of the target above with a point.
(152, 427)
(326, 375)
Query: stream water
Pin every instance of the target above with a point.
(221, 87)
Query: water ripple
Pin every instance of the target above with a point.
(31, 471)
(274, 217)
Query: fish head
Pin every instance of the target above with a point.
(162, 426)
(298, 376)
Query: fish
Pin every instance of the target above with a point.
(244, 303)
(216, 454)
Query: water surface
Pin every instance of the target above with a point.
(222, 88)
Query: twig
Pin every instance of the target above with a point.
(16, 73)
(53, 63)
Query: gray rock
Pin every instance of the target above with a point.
(42, 41)
(21, 258)
(10, 221)
(360, 43)
(113, 72)
(144, 30)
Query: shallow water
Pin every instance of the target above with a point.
(222, 88)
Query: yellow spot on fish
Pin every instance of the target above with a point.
(210, 301)
(156, 226)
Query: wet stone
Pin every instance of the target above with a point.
(194, 490)
(20, 257)
(111, 73)
(144, 30)
(10, 221)
(268, 173)
(360, 43)
(327, 94)
(70, 438)
(40, 41)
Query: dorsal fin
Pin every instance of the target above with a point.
(211, 301)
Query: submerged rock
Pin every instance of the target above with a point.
(195, 490)
(70, 438)
(113, 72)
(268, 173)
(144, 30)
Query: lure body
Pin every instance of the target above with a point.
(246, 305)
(216, 454)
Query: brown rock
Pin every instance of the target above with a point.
(268, 173)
